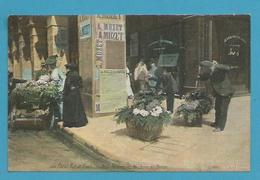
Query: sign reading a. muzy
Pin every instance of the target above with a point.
(111, 31)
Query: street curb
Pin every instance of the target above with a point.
(95, 152)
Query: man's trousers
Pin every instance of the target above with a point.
(170, 101)
(221, 110)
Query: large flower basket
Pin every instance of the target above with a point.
(144, 132)
(31, 104)
(145, 117)
(34, 95)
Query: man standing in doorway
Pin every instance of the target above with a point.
(169, 87)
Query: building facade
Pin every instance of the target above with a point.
(194, 39)
(102, 44)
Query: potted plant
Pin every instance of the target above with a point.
(145, 118)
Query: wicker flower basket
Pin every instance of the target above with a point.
(145, 132)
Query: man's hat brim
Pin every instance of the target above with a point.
(51, 60)
(206, 63)
(70, 65)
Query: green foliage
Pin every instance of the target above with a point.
(32, 94)
(196, 104)
(145, 102)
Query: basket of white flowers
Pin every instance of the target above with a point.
(145, 118)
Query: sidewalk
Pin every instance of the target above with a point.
(179, 148)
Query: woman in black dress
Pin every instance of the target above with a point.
(73, 110)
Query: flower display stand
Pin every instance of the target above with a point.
(31, 105)
(35, 120)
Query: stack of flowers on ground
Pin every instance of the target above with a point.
(145, 118)
(195, 105)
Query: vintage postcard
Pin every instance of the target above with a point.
(129, 92)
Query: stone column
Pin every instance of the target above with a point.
(102, 63)
(16, 66)
(10, 62)
(210, 39)
(36, 61)
(24, 58)
(21, 45)
(11, 48)
(52, 30)
(57, 39)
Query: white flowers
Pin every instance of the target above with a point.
(156, 111)
(142, 112)
(136, 111)
(169, 112)
(41, 82)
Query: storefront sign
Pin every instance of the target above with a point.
(234, 37)
(233, 44)
(99, 49)
(233, 50)
(84, 29)
(110, 31)
(109, 16)
(168, 60)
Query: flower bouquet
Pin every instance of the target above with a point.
(35, 95)
(205, 101)
(145, 118)
(195, 105)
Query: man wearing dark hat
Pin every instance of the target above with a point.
(56, 74)
(73, 110)
(222, 89)
(58, 77)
